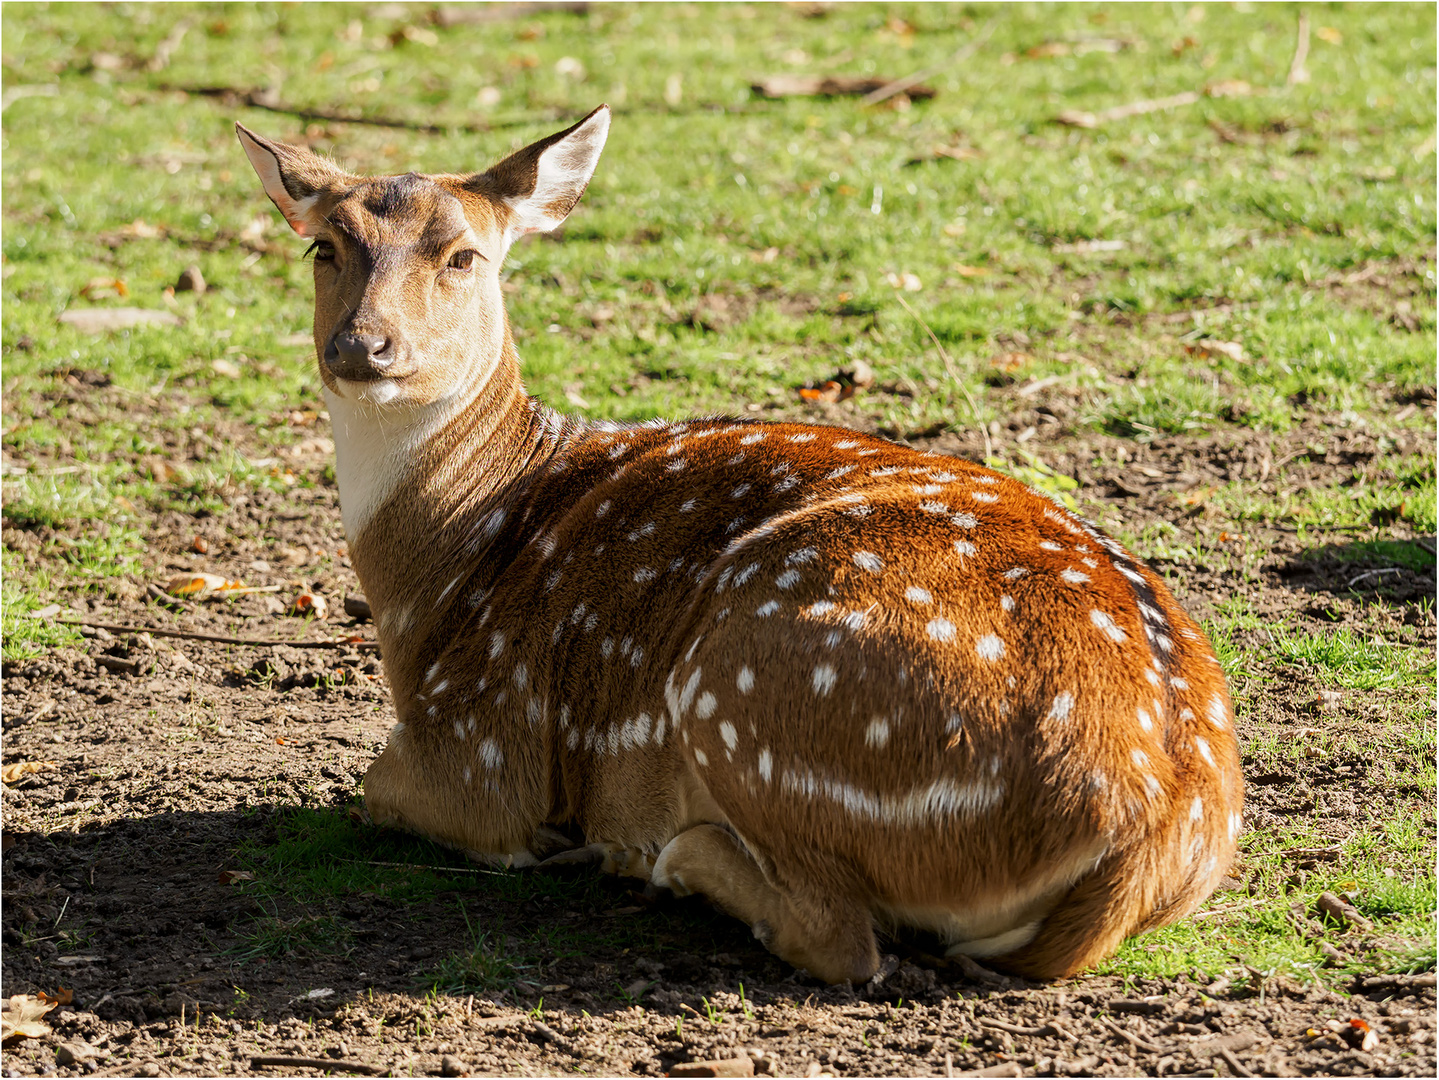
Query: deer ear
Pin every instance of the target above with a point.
(293, 177)
(542, 183)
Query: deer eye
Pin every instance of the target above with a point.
(462, 260)
(323, 250)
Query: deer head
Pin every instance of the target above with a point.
(408, 310)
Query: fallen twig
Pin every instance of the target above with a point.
(1019, 1029)
(1228, 1055)
(422, 866)
(270, 101)
(447, 15)
(1080, 118)
(1135, 1040)
(899, 86)
(323, 1064)
(1240, 905)
(953, 374)
(1298, 73)
(191, 635)
(1375, 573)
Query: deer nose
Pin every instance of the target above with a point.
(359, 356)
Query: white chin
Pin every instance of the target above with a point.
(380, 392)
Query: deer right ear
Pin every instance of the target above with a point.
(293, 177)
(542, 183)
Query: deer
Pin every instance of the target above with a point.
(838, 686)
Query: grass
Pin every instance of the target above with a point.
(1301, 218)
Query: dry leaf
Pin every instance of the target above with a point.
(104, 286)
(18, 770)
(970, 271)
(102, 320)
(235, 877)
(1228, 88)
(1212, 347)
(310, 604)
(200, 585)
(1329, 34)
(781, 86)
(22, 1018)
(830, 391)
(1009, 362)
(225, 368)
(61, 996)
(906, 281)
(1090, 247)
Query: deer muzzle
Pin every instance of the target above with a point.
(360, 357)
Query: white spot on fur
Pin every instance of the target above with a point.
(706, 705)
(788, 580)
(728, 734)
(1204, 751)
(877, 734)
(745, 680)
(940, 629)
(820, 607)
(1062, 706)
(687, 695)
(868, 560)
(1074, 577)
(824, 679)
(1217, 712)
(1144, 721)
(916, 595)
(1108, 626)
(766, 764)
(989, 647)
(490, 753)
(768, 608)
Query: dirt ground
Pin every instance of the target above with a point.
(171, 754)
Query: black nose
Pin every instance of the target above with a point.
(359, 356)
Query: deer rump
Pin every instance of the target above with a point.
(827, 681)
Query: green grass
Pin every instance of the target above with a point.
(321, 854)
(1353, 662)
(1304, 213)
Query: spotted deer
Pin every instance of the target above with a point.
(832, 683)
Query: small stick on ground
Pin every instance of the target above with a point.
(953, 373)
(1079, 118)
(1298, 73)
(323, 1064)
(1134, 1040)
(899, 86)
(1228, 1055)
(191, 635)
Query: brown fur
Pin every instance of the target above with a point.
(972, 757)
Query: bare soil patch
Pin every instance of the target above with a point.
(175, 758)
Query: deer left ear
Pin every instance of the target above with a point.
(292, 176)
(542, 183)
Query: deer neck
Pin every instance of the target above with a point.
(416, 487)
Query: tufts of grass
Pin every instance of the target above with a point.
(487, 964)
(1351, 661)
(21, 637)
(271, 937)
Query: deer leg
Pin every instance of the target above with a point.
(832, 937)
